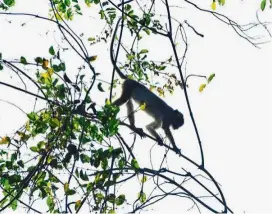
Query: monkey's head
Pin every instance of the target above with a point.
(177, 120)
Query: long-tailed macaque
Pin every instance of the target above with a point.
(163, 114)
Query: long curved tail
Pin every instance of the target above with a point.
(113, 59)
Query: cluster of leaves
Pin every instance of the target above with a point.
(68, 138)
(107, 12)
(6, 4)
(220, 2)
(67, 8)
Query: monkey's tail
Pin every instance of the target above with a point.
(113, 60)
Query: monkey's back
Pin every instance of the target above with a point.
(155, 106)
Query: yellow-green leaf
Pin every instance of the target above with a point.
(77, 205)
(92, 58)
(108, 102)
(142, 197)
(143, 106)
(54, 122)
(91, 39)
(4, 140)
(202, 87)
(111, 211)
(213, 5)
(66, 187)
(143, 51)
(144, 179)
(161, 91)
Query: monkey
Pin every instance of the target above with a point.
(164, 115)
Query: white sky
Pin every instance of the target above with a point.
(232, 114)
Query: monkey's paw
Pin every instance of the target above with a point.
(140, 132)
(160, 141)
(177, 150)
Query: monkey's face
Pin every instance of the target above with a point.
(178, 120)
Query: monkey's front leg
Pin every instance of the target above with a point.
(171, 138)
(151, 128)
(131, 119)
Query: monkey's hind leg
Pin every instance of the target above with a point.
(126, 93)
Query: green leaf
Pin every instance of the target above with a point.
(51, 50)
(263, 4)
(90, 187)
(105, 3)
(143, 51)
(14, 179)
(142, 197)
(83, 176)
(221, 2)
(62, 7)
(147, 31)
(111, 198)
(121, 163)
(62, 66)
(77, 173)
(39, 60)
(70, 192)
(41, 145)
(99, 86)
(54, 122)
(92, 58)
(34, 149)
(211, 77)
(1, 67)
(144, 179)
(84, 158)
(91, 39)
(127, 7)
(67, 2)
(14, 205)
(77, 204)
(104, 164)
(161, 68)
(135, 164)
(23, 60)
(32, 116)
(20, 163)
(77, 7)
(9, 2)
(50, 202)
(111, 211)
(120, 200)
(69, 14)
